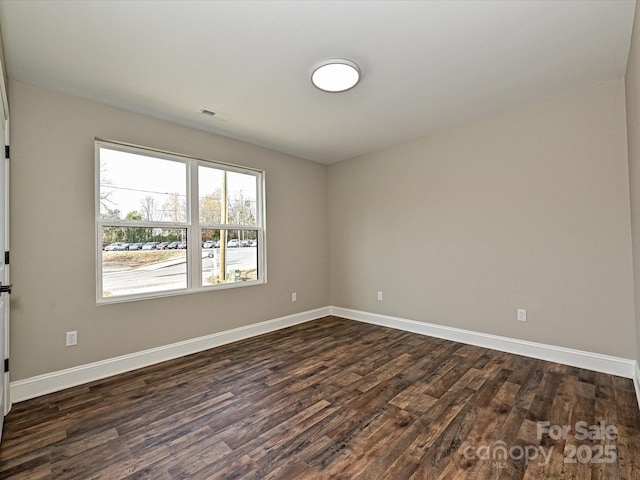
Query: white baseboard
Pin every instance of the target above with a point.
(622, 367)
(55, 381)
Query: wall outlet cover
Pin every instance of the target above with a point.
(71, 338)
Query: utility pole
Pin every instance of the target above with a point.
(223, 233)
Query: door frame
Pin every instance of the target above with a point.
(7, 276)
(4, 322)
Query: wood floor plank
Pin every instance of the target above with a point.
(331, 398)
(292, 439)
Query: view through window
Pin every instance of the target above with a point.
(169, 224)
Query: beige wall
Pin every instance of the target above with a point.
(632, 83)
(526, 210)
(52, 237)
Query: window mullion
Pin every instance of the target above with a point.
(193, 234)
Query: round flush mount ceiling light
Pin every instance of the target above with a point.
(336, 75)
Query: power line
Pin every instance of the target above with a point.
(142, 191)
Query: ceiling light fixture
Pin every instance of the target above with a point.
(336, 75)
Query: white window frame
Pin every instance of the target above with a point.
(191, 225)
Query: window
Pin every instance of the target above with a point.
(170, 224)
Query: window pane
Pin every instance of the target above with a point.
(229, 256)
(210, 183)
(139, 260)
(241, 194)
(137, 187)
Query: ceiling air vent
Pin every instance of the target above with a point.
(217, 115)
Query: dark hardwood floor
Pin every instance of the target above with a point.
(332, 398)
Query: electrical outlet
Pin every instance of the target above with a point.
(380, 296)
(522, 315)
(294, 296)
(72, 338)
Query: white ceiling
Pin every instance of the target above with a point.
(426, 65)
